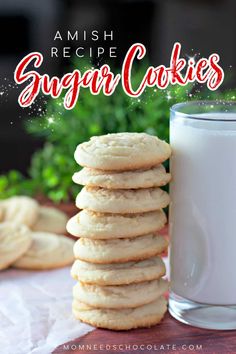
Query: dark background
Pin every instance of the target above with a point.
(26, 25)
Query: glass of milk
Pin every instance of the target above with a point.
(203, 214)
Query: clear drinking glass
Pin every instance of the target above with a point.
(203, 214)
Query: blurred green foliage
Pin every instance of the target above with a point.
(52, 167)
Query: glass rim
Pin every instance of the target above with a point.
(214, 104)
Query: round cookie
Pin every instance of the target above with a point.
(21, 209)
(109, 226)
(122, 151)
(119, 250)
(121, 296)
(119, 273)
(122, 201)
(48, 251)
(15, 240)
(50, 220)
(122, 319)
(153, 177)
(1, 210)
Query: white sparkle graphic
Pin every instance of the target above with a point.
(168, 96)
(191, 59)
(50, 120)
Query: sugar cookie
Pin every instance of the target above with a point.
(122, 151)
(47, 251)
(20, 209)
(122, 319)
(122, 201)
(1, 210)
(119, 273)
(119, 250)
(15, 240)
(120, 296)
(50, 220)
(107, 226)
(154, 177)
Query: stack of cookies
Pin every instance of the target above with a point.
(118, 266)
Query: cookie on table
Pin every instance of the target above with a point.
(50, 220)
(122, 151)
(15, 240)
(20, 209)
(122, 319)
(154, 177)
(48, 251)
(108, 226)
(121, 296)
(122, 201)
(119, 273)
(1, 210)
(119, 250)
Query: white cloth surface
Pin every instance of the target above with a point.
(35, 311)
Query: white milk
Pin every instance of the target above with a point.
(203, 209)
